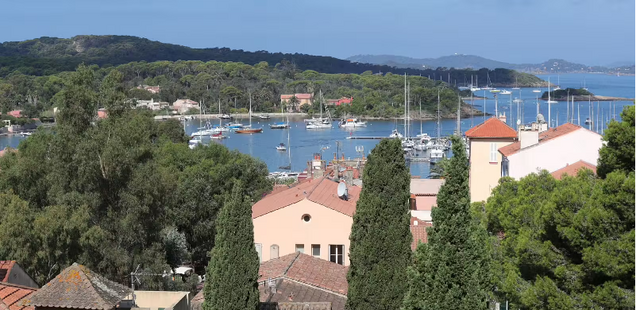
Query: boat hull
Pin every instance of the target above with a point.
(251, 130)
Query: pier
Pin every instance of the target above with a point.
(365, 138)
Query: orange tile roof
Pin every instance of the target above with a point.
(13, 296)
(321, 191)
(492, 128)
(543, 137)
(573, 169)
(5, 269)
(418, 230)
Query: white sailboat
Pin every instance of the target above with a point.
(516, 84)
(488, 82)
(321, 123)
(288, 167)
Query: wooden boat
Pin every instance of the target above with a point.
(249, 129)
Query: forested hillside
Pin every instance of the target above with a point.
(46, 55)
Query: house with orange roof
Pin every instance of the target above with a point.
(551, 150)
(484, 142)
(573, 169)
(12, 273)
(312, 218)
(424, 197)
(301, 98)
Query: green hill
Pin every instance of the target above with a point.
(47, 55)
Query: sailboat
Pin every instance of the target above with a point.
(558, 82)
(249, 129)
(516, 84)
(320, 123)
(280, 125)
(549, 94)
(288, 167)
(488, 82)
(584, 86)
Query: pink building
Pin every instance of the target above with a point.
(102, 113)
(183, 105)
(302, 99)
(424, 197)
(15, 113)
(310, 218)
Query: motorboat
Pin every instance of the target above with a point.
(319, 125)
(423, 136)
(552, 102)
(536, 91)
(263, 116)
(352, 123)
(218, 136)
(194, 141)
(281, 147)
(437, 155)
(234, 126)
(226, 116)
(588, 121)
(217, 129)
(281, 125)
(395, 134)
(506, 92)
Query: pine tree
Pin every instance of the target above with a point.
(233, 270)
(380, 236)
(452, 270)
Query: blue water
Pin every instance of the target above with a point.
(305, 143)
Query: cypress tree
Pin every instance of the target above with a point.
(232, 277)
(452, 270)
(380, 236)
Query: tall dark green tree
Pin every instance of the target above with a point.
(452, 270)
(618, 154)
(232, 278)
(380, 236)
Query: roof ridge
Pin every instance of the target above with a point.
(314, 286)
(291, 264)
(18, 286)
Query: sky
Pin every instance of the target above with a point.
(592, 32)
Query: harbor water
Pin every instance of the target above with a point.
(305, 143)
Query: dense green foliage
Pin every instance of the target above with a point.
(233, 83)
(568, 244)
(380, 237)
(116, 193)
(452, 270)
(232, 277)
(563, 93)
(619, 153)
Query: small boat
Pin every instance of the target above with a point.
(395, 134)
(352, 123)
(218, 136)
(318, 125)
(557, 88)
(437, 155)
(492, 90)
(506, 92)
(281, 147)
(536, 91)
(517, 100)
(226, 116)
(516, 85)
(281, 125)
(234, 126)
(552, 102)
(263, 116)
(248, 129)
(194, 141)
(588, 121)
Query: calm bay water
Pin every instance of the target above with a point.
(304, 143)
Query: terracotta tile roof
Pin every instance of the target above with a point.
(492, 128)
(290, 293)
(298, 96)
(78, 287)
(543, 137)
(321, 191)
(301, 276)
(426, 187)
(573, 169)
(12, 297)
(418, 230)
(5, 269)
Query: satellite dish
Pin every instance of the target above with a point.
(342, 191)
(518, 122)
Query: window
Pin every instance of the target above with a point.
(273, 251)
(493, 152)
(504, 167)
(300, 248)
(306, 218)
(315, 250)
(259, 250)
(336, 254)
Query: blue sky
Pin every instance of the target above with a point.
(520, 31)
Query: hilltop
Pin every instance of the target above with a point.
(48, 55)
(461, 61)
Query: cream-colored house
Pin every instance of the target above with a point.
(310, 218)
(484, 141)
(552, 149)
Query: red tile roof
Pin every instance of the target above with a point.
(12, 297)
(80, 288)
(547, 135)
(5, 269)
(573, 169)
(418, 230)
(321, 191)
(492, 128)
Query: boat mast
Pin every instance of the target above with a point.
(549, 107)
(421, 130)
(405, 104)
(250, 114)
(484, 105)
(567, 110)
(408, 110)
(289, 148)
(438, 129)
(578, 116)
(589, 112)
(321, 105)
(459, 121)
(472, 103)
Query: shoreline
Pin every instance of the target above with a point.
(593, 98)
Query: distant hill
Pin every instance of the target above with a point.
(460, 61)
(47, 55)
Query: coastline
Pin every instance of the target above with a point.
(592, 98)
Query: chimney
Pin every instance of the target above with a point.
(528, 138)
(502, 117)
(348, 176)
(412, 202)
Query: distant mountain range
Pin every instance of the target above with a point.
(460, 61)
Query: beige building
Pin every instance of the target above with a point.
(302, 99)
(484, 142)
(160, 300)
(310, 218)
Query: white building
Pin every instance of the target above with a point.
(551, 150)
(152, 104)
